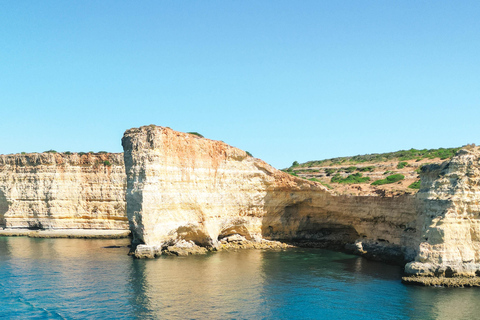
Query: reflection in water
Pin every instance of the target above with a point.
(444, 303)
(63, 278)
(72, 278)
(213, 286)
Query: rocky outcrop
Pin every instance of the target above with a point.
(181, 187)
(184, 188)
(62, 191)
(449, 213)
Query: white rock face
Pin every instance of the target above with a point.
(450, 215)
(183, 187)
(62, 191)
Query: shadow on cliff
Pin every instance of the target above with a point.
(296, 218)
(3, 208)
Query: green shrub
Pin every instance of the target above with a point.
(350, 169)
(249, 154)
(196, 134)
(330, 171)
(390, 179)
(50, 151)
(24, 152)
(365, 169)
(295, 164)
(314, 179)
(353, 178)
(81, 153)
(67, 153)
(402, 165)
(90, 152)
(402, 155)
(102, 152)
(107, 163)
(415, 185)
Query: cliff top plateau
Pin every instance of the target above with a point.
(385, 174)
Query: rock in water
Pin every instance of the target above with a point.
(183, 187)
(449, 213)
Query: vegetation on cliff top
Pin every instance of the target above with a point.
(401, 156)
(390, 179)
(352, 178)
(415, 185)
(196, 134)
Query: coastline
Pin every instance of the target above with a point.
(67, 233)
(454, 282)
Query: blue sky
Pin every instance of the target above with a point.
(284, 80)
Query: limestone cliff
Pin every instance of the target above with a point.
(185, 189)
(53, 190)
(449, 213)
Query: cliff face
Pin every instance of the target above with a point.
(52, 190)
(381, 228)
(183, 188)
(449, 211)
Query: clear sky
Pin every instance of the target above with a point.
(284, 80)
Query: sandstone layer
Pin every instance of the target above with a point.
(187, 190)
(62, 191)
(449, 213)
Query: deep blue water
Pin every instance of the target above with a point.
(82, 279)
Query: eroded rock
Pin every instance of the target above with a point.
(181, 187)
(62, 191)
(449, 212)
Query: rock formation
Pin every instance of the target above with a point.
(189, 191)
(185, 194)
(449, 214)
(62, 191)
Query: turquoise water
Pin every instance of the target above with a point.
(90, 279)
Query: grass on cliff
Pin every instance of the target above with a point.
(324, 184)
(352, 178)
(402, 165)
(415, 185)
(401, 156)
(196, 134)
(390, 179)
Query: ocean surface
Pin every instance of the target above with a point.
(96, 279)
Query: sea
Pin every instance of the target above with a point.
(96, 279)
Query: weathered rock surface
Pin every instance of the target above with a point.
(181, 187)
(60, 191)
(455, 282)
(449, 212)
(184, 195)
